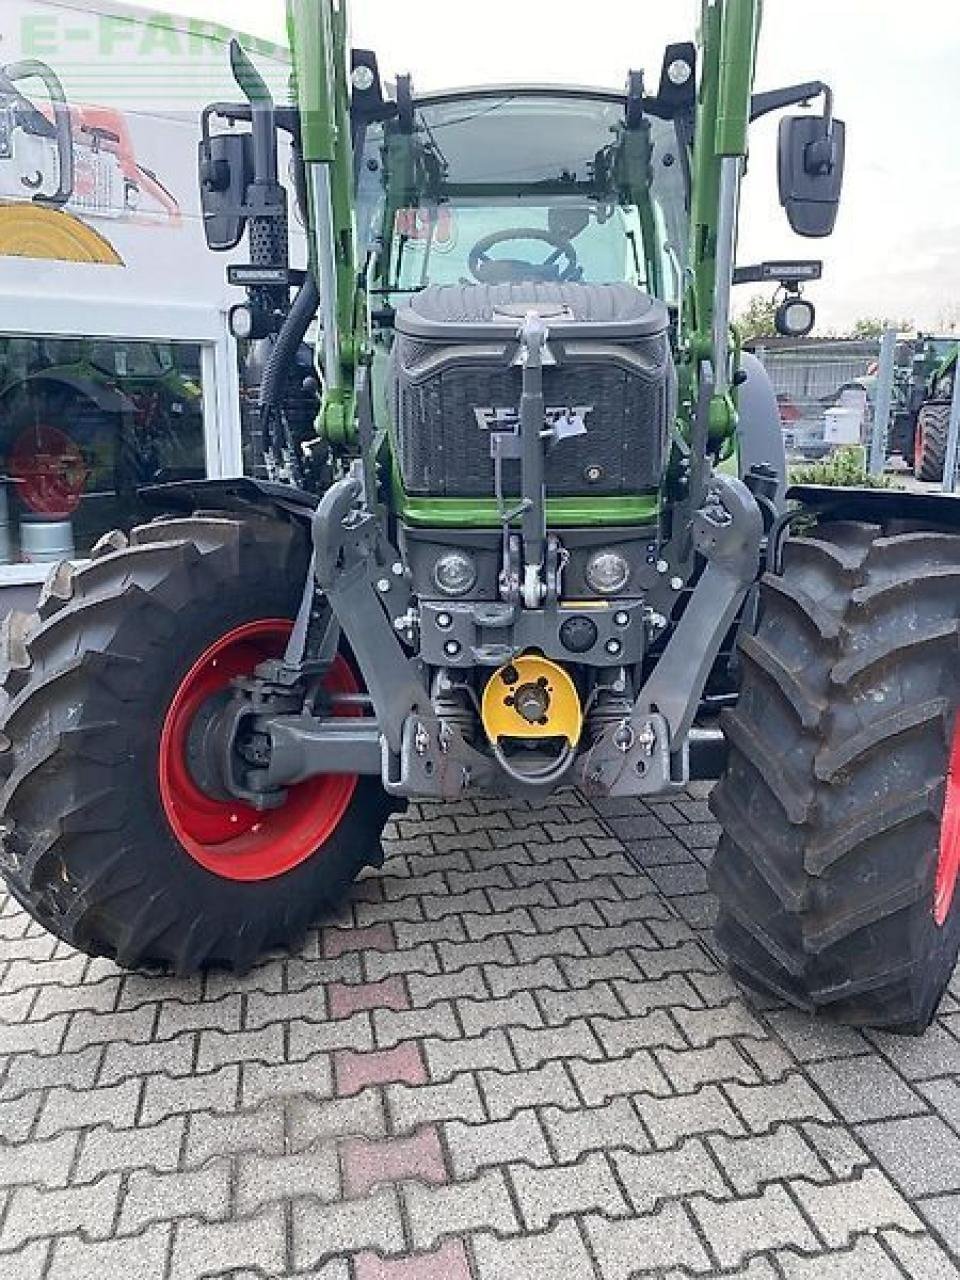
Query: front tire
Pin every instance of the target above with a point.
(837, 868)
(107, 842)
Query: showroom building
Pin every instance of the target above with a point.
(117, 368)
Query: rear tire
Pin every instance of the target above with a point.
(933, 428)
(840, 807)
(89, 847)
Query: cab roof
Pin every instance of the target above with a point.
(588, 92)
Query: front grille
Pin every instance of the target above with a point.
(445, 452)
(442, 383)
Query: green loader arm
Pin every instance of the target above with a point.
(318, 31)
(946, 369)
(729, 36)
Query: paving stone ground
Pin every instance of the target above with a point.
(514, 1056)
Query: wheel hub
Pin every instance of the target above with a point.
(204, 747)
(227, 838)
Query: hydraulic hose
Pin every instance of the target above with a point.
(291, 335)
(273, 388)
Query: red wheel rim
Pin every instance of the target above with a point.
(948, 868)
(49, 471)
(232, 840)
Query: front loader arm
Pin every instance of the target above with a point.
(318, 31)
(729, 36)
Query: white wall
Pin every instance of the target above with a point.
(153, 75)
(148, 273)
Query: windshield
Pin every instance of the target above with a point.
(526, 186)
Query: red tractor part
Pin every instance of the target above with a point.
(228, 838)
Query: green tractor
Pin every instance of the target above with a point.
(536, 536)
(931, 409)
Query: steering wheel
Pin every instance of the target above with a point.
(508, 270)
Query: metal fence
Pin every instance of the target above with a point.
(825, 390)
(837, 393)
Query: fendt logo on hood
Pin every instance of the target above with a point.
(508, 420)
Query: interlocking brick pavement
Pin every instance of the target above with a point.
(513, 1056)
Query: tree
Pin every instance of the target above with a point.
(868, 327)
(948, 320)
(758, 320)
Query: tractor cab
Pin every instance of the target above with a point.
(515, 186)
(477, 210)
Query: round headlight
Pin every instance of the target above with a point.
(679, 72)
(608, 573)
(455, 573)
(363, 78)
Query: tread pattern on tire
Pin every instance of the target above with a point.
(933, 428)
(72, 674)
(834, 791)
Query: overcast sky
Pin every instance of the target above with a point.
(895, 68)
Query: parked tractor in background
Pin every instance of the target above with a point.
(536, 537)
(917, 365)
(932, 397)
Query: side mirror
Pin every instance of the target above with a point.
(812, 154)
(226, 172)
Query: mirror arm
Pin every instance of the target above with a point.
(762, 104)
(822, 156)
(288, 118)
(828, 108)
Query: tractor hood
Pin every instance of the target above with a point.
(457, 384)
(612, 311)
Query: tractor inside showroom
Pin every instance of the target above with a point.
(535, 536)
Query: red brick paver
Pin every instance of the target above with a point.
(448, 1263)
(369, 1164)
(354, 1072)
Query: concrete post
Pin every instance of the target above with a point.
(953, 439)
(880, 435)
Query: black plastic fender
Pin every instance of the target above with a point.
(760, 431)
(877, 505)
(240, 496)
